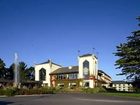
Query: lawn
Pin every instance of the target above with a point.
(132, 95)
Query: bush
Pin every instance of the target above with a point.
(47, 90)
(10, 91)
(94, 90)
(137, 90)
(36, 91)
(111, 90)
(2, 92)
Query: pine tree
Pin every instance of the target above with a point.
(129, 56)
(2, 69)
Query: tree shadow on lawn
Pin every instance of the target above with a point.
(5, 103)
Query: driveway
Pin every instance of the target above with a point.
(68, 99)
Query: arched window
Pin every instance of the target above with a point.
(86, 69)
(42, 74)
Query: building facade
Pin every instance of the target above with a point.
(86, 74)
(122, 86)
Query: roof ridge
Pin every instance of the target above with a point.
(48, 61)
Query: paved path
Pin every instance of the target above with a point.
(68, 99)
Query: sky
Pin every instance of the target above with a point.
(39, 30)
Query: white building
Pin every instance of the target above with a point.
(85, 74)
(122, 86)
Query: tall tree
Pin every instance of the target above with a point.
(25, 73)
(2, 69)
(30, 73)
(22, 68)
(129, 56)
(10, 72)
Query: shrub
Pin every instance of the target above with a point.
(10, 91)
(42, 90)
(2, 92)
(111, 90)
(47, 90)
(137, 90)
(94, 90)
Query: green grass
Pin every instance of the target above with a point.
(131, 95)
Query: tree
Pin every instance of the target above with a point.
(25, 73)
(30, 73)
(2, 69)
(139, 20)
(22, 70)
(10, 72)
(129, 56)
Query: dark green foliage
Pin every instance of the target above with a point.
(30, 73)
(42, 90)
(22, 71)
(138, 19)
(26, 73)
(10, 72)
(111, 90)
(10, 91)
(129, 56)
(2, 91)
(136, 85)
(2, 64)
(2, 69)
(94, 90)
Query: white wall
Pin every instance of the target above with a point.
(123, 87)
(93, 65)
(93, 69)
(49, 68)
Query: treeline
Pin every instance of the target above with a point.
(26, 73)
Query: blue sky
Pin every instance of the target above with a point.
(56, 29)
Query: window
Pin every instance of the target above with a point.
(72, 76)
(42, 74)
(61, 76)
(114, 85)
(86, 69)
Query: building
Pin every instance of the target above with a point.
(85, 74)
(104, 79)
(122, 86)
